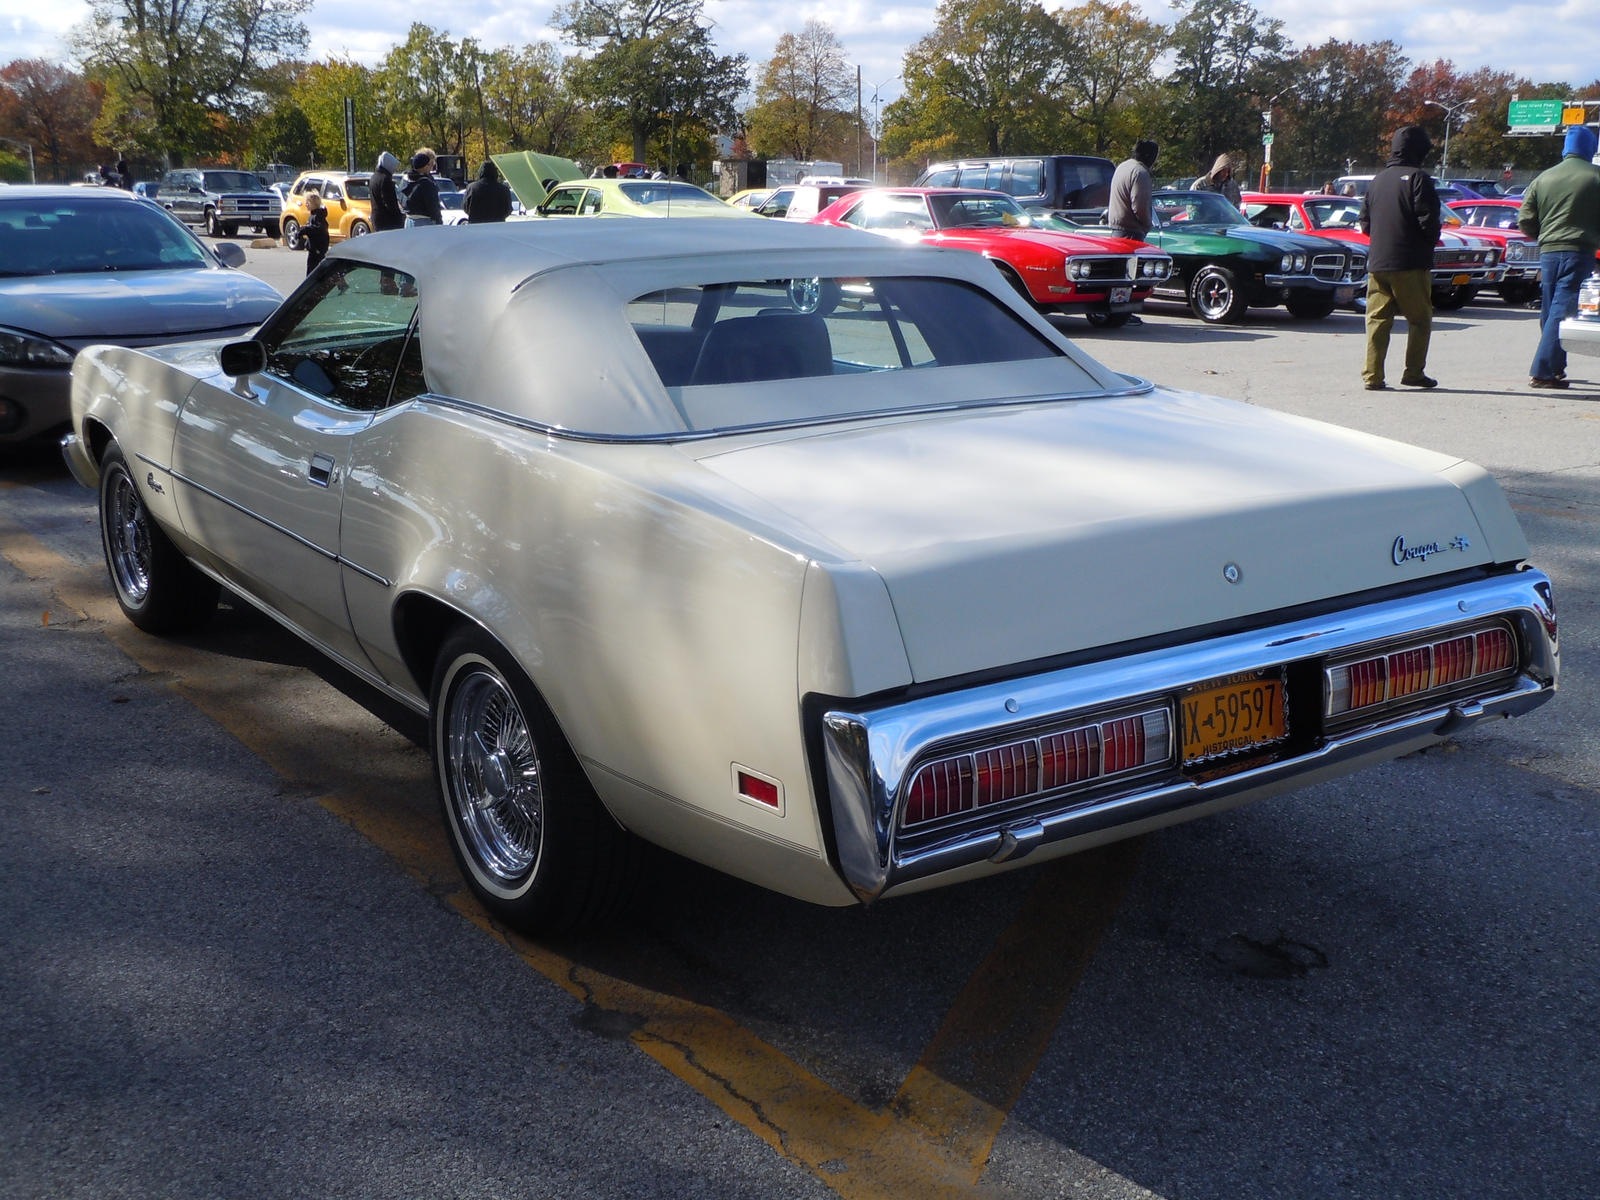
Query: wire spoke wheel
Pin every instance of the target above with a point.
(127, 538)
(492, 772)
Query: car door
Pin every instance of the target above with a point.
(261, 460)
(182, 194)
(338, 213)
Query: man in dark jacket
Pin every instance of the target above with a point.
(419, 195)
(386, 210)
(1562, 209)
(487, 198)
(1400, 212)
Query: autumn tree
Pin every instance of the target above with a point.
(1336, 112)
(805, 99)
(1112, 56)
(52, 109)
(177, 72)
(651, 67)
(985, 81)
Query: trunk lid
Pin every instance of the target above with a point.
(1010, 534)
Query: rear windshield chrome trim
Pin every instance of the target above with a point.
(1135, 387)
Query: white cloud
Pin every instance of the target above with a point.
(1552, 40)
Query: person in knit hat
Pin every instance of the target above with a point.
(1561, 208)
(1220, 180)
(386, 210)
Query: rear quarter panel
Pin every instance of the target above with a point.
(659, 624)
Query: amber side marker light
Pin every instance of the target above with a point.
(1417, 669)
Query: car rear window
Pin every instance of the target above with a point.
(758, 333)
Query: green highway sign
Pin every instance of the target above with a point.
(1534, 112)
(1266, 139)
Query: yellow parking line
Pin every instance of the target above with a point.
(933, 1141)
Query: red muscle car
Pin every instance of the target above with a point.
(1105, 279)
(1462, 264)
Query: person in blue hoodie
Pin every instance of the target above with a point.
(1561, 208)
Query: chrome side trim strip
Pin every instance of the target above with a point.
(1136, 387)
(255, 516)
(330, 555)
(869, 753)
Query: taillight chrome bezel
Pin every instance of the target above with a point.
(1034, 765)
(1385, 677)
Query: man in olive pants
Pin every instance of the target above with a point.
(1400, 212)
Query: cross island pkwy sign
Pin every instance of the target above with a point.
(1529, 118)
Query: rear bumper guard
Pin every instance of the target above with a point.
(870, 754)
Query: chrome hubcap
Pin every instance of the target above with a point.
(1214, 295)
(494, 777)
(128, 535)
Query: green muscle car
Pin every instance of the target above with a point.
(1223, 265)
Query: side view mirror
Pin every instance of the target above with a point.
(230, 254)
(239, 359)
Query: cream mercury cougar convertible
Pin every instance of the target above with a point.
(823, 561)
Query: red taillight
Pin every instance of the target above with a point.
(1368, 681)
(1496, 652)
(1069, 757)
(1123, 748)
(1410, 671)
(1036, 766)
(1452, 661)
(1414, 670)
(1006, 772)
(940, 789)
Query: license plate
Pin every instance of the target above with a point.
(1237, 712)
(1121, 295)
(1461, 280)
(1343, 295)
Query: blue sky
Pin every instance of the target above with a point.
(1556, 39)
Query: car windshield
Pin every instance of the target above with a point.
(987, 211)
(451, 199)
(231, 181)
(1337, 212)
(1195, 208)
(668, 192)
(50, 236)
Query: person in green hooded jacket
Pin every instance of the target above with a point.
(1561, 208)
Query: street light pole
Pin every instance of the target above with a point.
(877, 120)
(1450, 111)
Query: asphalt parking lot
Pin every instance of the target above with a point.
(239, 960)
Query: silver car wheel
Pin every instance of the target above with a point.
(128, 538)
(493, 778)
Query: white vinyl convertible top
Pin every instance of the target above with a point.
(529, 317)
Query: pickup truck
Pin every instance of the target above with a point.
(220, 201)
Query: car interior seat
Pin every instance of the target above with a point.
(765, 346)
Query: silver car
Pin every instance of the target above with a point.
(80, 266)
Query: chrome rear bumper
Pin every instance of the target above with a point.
(870, 754)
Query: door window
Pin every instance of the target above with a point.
(564, 203)
(591, 203)
(344, 337)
